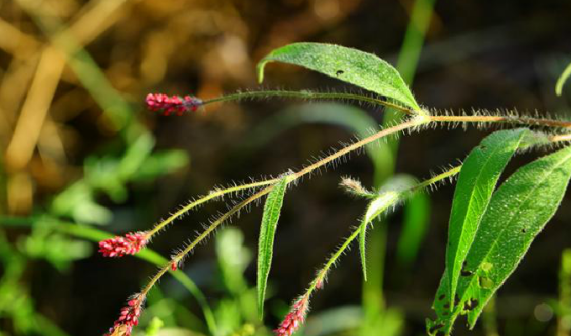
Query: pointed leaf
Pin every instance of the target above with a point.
(476, 182)
(375, 208)
(349, 65)
(270, 217)
(518, 212)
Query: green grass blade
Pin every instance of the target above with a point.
(562, 79)
(415, 225)
(272, 210)
(477, 180)
(349, 65)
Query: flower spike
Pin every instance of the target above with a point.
(295, 318)
(128, 318)
(119, 246)
(160, 102)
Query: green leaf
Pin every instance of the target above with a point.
(517, 213)
(375, 208)
(272, 209)
(562, 79)
(476, 182)
(349, 65)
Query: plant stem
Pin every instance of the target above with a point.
(212, 195)
(407, 193)
(502, 119)
(176, 259)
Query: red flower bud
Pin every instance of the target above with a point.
(294, 319)
(119, 246)
(128, 318)
(160, 102)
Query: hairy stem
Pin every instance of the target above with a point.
(407, 193)
(177, 258)
(212, 195)
(502, 119)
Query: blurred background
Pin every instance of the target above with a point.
(83, 160)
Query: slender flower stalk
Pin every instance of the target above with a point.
(296, 316)
(178, 258)
(178, 105)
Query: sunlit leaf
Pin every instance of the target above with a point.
(349, 65)
(517, 213)
(476, 182)
(270, 217)
(376, 207)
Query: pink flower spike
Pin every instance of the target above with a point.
(119, 246)
(128, 318)
(160, 102)
(294, 319)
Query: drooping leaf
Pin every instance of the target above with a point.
(562, 79)
(375, 208)
(270, 217)
(349, 65)
(476, 182)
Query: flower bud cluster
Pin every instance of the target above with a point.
(119, 246)
(160, 102)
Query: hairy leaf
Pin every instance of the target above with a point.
(476, 182)
(375, 208)
(349, 65)
(270, 217)
(517, 212)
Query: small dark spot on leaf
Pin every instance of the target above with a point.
(447, 305)
(339, 72)
(441, 297)
(524, 230)
(445, 314)
(468, 305)
(474, 303)
(466, 273)
(435, 327)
